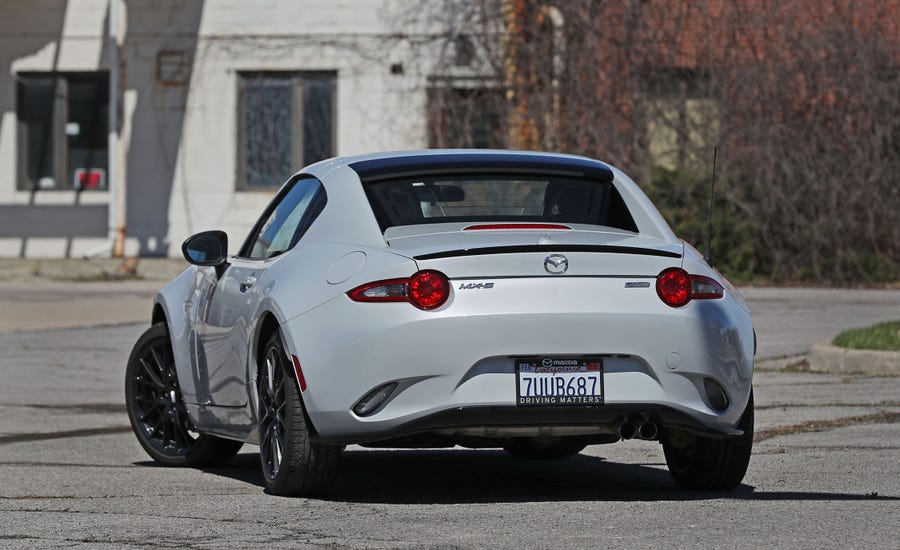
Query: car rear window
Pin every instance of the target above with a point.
(492, 198)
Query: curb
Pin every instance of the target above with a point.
(76, 270)
(824, 357)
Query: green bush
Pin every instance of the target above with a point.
(750, 245)
(683, 199)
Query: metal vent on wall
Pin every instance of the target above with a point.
(173, 68)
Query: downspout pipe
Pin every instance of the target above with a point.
(116, 227)
(116, 233)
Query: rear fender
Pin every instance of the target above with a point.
(299, 282)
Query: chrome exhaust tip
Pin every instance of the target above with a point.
(627, 430)
(648, 430)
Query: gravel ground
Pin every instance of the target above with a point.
(824, 471)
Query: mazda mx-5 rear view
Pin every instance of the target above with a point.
(533, 302)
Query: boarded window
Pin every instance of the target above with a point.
(462, 117)
(286, 121)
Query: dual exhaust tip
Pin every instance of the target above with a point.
(643, 430)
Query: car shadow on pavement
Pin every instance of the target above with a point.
(455, 476)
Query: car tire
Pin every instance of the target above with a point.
(292, 464)
(538, 449)
(156, 408)
(704, 464)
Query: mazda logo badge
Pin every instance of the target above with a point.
(556, 264)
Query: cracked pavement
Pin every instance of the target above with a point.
(824, 470)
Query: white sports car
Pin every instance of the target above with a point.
(534, 302)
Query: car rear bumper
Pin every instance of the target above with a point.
(606, 418)
(455, 367)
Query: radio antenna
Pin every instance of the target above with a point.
(712, 191)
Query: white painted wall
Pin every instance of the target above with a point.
(181, 141)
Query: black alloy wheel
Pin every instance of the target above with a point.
(292, 464)
(157, 411)
(272, 409)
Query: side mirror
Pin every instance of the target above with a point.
(207, 248)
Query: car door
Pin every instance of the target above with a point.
(224, 324)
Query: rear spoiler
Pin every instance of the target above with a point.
(517, 249)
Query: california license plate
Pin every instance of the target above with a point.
(559, 381)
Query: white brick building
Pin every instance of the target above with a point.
(220, 101)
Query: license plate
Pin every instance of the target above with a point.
(559, 381)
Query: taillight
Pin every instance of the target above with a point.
(425, 289)
(676, 287)
(704, 288)
(393, 290)
(428, 289)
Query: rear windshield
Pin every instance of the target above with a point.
(515, 198)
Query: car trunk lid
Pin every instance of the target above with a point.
(508, 250)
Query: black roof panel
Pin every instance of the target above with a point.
(462, 163)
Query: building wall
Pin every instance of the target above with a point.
(180, 137)
(44, 35)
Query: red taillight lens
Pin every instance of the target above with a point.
(676, 287)
(428, 289)
(425, 289)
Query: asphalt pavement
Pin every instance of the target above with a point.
(789, 321)
(824, 472)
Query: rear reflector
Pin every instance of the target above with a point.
(301, 380)
(507, 226)
(718, 399)
(676, 287)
